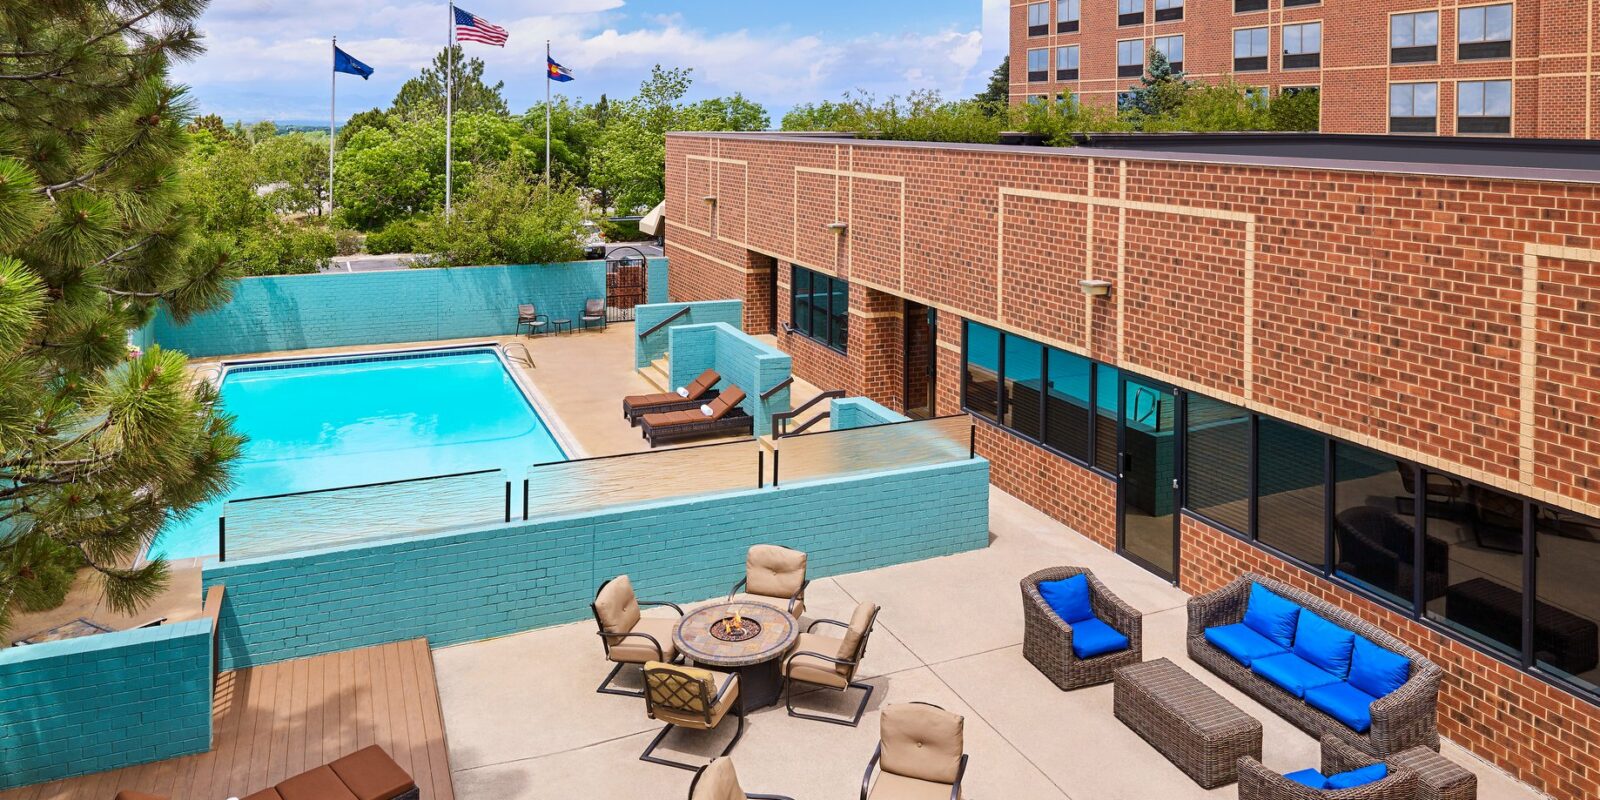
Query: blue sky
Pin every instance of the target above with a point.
(269, 59)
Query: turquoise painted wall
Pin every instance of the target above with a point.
(654, 346)
(104, 702)
(464, 586)
(741, 360)
(656, 280)
(859, 412)
(293, 312)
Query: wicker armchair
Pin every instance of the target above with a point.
(1047, 638)
(1405, 718)
(1256, 782)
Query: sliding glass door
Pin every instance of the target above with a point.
(1147, 496)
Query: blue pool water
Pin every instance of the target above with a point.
(336, 423)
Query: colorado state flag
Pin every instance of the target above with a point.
(558, 73)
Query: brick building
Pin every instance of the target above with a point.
(1525, 68)
(1376, 380)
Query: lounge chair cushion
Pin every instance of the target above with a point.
(718, 781)
(617, 606)
(1343, 702)
(1092, 637)
(1271, 616)
(1291, 673)
(1068, 597)
(371, 774)
(318, 784)
(637, 650)
(1358, 777)
(129, 794)
(1377, 671)
(269, 793)
(1324, 644)
(890, 786)
(774, 571)
(921, 741)
(1308, 777)
(1242, 643)
(815, 670)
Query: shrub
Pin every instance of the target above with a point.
(347, 242)
(622, 231)
(400, 236)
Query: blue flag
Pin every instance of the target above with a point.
(558, 73)
(344, 62)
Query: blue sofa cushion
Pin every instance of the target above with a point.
(1324, 644)
(1292, 673)
(1308, 777)
(1242, 642)
(1068, 597)
(1358, 777)
(1271, 615)
(1343, 702)
(1092, 637)
(1377, 671)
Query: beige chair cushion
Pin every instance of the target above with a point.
(890, 786)
(815, 670)
(637, 650)
(617, 606)
(921, 741)
(674, 698)
(856, 634)
(718, 782)
(774, 571)
(780, 603)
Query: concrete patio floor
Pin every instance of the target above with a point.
(523, 720)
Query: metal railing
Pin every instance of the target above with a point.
(525, 359)
(664, 323)
(780, 420)
(787, 382)
(808, 457)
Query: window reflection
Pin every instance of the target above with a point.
(1024, 378)
(1218, 456)
(1481, 560)
(982, 377)
(1067, 405)
(1290, 477)
(1374, 539)
(1566, 634)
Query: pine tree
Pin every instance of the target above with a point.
(100, 444)
(423, 96)
(997, 95)
(1160, 91)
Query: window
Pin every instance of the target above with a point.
(1172, 48)
(1130, 58)
(1414, 38)
(1244, 6)
(1067, 403)
(1167, 10)
(1067, 63)
(1041, 393)
(1413, 107)
(1130, 12)
(820, 307)
(1567, 603)
(1022, 407)
(1217, 461)
(1291, 489)
(1374, 516)
(1038, 65)
(1258, 97)
(1067, 16)
(1038, 99)
(1250, 49)
(1473, 552)
(1483, 107)
(1106, 394)
(1483, 32)
(1302, 45)
(1293, 3)
(1067, 97)
(1038, 19)
(980, 381)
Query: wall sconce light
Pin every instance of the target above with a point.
(838, 227)
(1095, 288)
(710, 198)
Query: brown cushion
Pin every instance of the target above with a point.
(668, 419)
(643, 400)
(727, 401)
(856, 635)
(680, 702)
(718, 781)
(269, 793)
(318, 784)
(890, 786)
(774, 571)
(616, 606)
(920, 741)
(781, 603)
(129, 794)
(702, 384)
(637, 649)
(810, 669)
(371, 774)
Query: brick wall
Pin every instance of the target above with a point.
(859, 412)
(740, 359)
(646, 317)
(103, 702)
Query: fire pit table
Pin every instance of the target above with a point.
(746, 637)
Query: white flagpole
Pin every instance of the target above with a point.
(547, 112)
(333, 93)
(449, 89)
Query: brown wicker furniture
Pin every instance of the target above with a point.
(698, 392)
(719, 781)
(774, 574)
(530, 316)
(1047, 638)
(726, 419)
(765, 634)
(628, 637)
(831, 663)
(1438, 778)
(1256, 782)
(688, 697)
(594, 310)
(1405, 718)
(1194, 727)
(921, 754)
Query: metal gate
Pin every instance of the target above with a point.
(625, 287)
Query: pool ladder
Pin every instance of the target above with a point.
(522, 357)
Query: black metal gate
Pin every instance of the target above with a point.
(626, 281)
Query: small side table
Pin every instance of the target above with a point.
(557, 324)
(1442, 779)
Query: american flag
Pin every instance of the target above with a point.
(476, 29)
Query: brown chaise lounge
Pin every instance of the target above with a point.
(726, 419)
(636, 406)
(366, 774)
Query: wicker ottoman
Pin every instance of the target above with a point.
(1189, 723)
(1442, 779)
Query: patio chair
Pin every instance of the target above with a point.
(628, 637)
(1257, 782)
(594, 310)
(689, 697)
(530, 316)
(692, 397)
(725, 418)
(1088, 650)
(832, 663)
(921, 753)
(775, 575)
(718, 781)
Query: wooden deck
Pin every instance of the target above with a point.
(277, 721)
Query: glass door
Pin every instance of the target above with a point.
(1147, 496)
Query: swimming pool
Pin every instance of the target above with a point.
(326, 423)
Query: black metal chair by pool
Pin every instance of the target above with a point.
(594, 310)
(530, 316)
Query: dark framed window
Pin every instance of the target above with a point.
(1022, 376)
(1291, 498)
(1038, 65)
(1477, 538)
(1068, 403)
(1374, 524)
(1294, 3)
(1566, 611)
(1067, 14)
(1217, 461)
(1250, 49)
(1130, 12)
(1414, 37)
(1483, 107)
(1413, 107)
(1106, 396)
(1245, 6)
(1041, 393)
(820, 307)
(1169, 10)
(1130, 58)
(1483, 32)
(980, 375)
(1302, 45)
(1038, 19)
(1067, 63)
(1172, 48)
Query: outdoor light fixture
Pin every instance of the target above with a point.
(838, 227)
(710, 198)
(1095, 288)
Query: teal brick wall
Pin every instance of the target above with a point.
(655, 345)
(741, 359)
(292, 312)
(859, 412)
(655, 281)
(464, 586)
(104, 702)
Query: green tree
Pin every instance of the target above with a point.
(99, 445)
(385, 174)
(509, 216)
(1296, 110)
(423, 96)
(241, 196)
(1161, 90)
(997, 95)
(371, 118)
(295, 167)
(920, 116)
(1223, 106)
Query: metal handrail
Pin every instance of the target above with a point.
(808, 423)
(664, 323)
(780, 420)
(526, 358)
(787, 382)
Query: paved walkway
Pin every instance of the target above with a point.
(523, 720)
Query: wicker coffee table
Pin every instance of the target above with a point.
(754, 650)
(1189, 723)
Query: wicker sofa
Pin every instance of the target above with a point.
(1047, 638)
(1402, 719)
(1256, 782)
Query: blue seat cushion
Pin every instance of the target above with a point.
(1324, 644)
(1292, 673)
(1271, 616)
(1358, 777)
(1377, 671)
(1092, 637)
(1068, 597)
(1243, 643)
(1343, 702)
(1308, 777)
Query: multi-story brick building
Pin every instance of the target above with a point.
(1376, 379)
(1528, 68)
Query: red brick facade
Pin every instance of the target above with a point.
(1452, 321)
(1554, 63)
